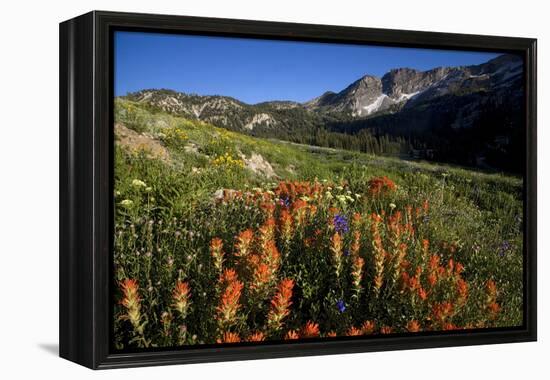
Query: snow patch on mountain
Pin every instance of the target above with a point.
(376, 105)
(404, 97)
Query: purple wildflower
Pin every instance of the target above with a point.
(341, 306)
(340, 223)
(284, 202)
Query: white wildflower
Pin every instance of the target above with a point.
(341, 198)
(138, 183)
(127, 203)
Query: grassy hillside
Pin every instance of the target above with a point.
(223, 237)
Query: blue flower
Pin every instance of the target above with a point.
(346, 252)
(340, 223)
(341, 306)
(284, 202)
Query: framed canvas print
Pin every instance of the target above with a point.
(236, 189)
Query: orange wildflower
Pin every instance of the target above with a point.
(271, 255)
(261, 275)
(256, 337)
(398, 260)
(310, 330)
(229, 302)
(244, 243)
(228, 275)
(422, 294)
(357, 273)
(291, 335)
(229, 337)
(432, 278)
(331, 334)
(405, 280)
(216, 251)
(442, 311)
(356, 243)
(336, 248)
(367, 327)
(394, 225)
(426, 207)
(379, 252)
(386, 330)
(132, 302)
(299, 210)
(356, 220)
(448, 326)
(181, 296)
(267, 231)
(450, 266)
(413, 326)
(280, 304)
(381, 186)
(434, 262)
(493, 308)
(285, 223)
(268, 208)
(353, 331)
(491, 288)
(462, 289)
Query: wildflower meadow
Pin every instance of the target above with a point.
(327, 243)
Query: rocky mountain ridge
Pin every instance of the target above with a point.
(366, 97)
(444, 105)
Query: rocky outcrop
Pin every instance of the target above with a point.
(140, 143)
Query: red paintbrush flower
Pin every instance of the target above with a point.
(442, 311)
(291, 335)
(229, 302)
(310, 330)
(216, 251)
(422, 294)
(462, 289)
(367, 327)
(243, 243)
(181, 296)
(256, 337)
(353, 331)
(381, 186)
(285, 225)
(229, 337)
(280, 305)
(132, 303)
(413, 326)
(357, 273)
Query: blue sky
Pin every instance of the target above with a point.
(259, 70)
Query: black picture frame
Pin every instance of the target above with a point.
(86, 183)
